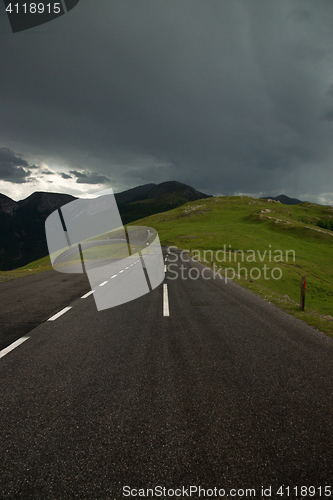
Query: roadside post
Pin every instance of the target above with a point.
(303, 287)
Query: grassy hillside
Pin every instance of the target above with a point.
(252, 233)
(250, 226)
(37, 266)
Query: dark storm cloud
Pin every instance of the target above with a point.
(65, 176)
(300, 14)
(328, 115)
(78, 175)
(89, 177)
(227, 96)
(13, 168)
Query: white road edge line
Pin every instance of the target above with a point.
(60, 313)
(87, 294)
(12, 346)
(104, 283)
(165, 300)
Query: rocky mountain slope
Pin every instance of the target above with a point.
(22, 223)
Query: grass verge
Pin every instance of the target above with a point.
(240, 233)
(38, 266)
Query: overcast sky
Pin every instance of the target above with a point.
(231, 97)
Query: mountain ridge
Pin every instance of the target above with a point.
(7, 205)
(133, 194)
(22, 223)
(45, 202)
(282, 198)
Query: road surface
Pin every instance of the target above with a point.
(226, 391)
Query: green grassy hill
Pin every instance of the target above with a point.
(252, 233)
(247, 226)
(37, 266)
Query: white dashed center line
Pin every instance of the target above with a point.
(121, 271)
(114, 276)
(12, 346)
(165, 269)
(60, 313)
(104, 283)
(165, 300)
(87, 294)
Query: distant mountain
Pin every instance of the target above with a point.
(133, 194)
(184, 191)
(160, 198)
(22, 223)
(282, 198)
(7, 205)
(45, 203)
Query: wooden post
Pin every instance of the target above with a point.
(303, 287)
(212, 260)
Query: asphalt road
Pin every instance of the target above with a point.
(74, 250)
(227, 392)
(27, 302)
